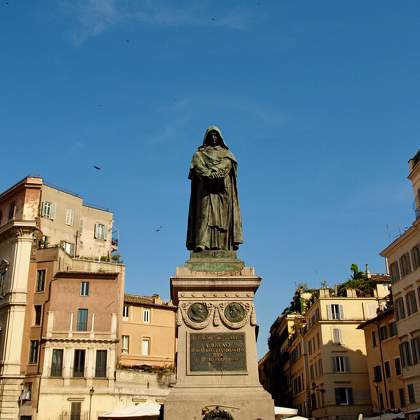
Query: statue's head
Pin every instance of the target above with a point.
(213, 137)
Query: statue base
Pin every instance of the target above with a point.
(217, 374)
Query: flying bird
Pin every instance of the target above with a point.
(97, 167)
(159, 228)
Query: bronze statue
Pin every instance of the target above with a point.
(214, 220)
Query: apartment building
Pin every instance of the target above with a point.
(403, 257)
(147, 332)
(82, 230)
(384, 362)
(19, 207)
(70, 335)
(326, 352)
(274, 367)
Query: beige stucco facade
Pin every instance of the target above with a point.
(384, 363)
(82, 230)
(147, 332)
(403, 258)
(324, 354)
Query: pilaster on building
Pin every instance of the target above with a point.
(320, 354)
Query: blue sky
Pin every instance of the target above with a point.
(319, 101)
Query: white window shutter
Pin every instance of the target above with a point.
(43, 209)
(105, 232)
(53, 211)
(340, 338)
(340, 311)
(329, 312)
(96, 231)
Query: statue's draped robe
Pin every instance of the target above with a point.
(214, 220)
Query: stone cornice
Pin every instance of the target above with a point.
(79, 340)
(412, 230)
(17, 229)
(28, 182)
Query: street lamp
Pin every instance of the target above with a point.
(91, 391)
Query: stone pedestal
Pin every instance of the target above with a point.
(217, 374)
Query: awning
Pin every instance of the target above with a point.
(297, 418)
(285, 411)
(140, 410)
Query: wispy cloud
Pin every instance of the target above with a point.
(93, 17)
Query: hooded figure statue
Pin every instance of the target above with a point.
(214, 220)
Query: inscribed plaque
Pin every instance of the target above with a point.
(217, 352)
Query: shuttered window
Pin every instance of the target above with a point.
(335, 312)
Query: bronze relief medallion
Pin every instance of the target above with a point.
(235, 312)
(198, 312)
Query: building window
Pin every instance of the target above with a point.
(405, 264)
(79, 363)
(33, 351)
(76, 411)
(335, 311)
(26, 394)
(125, 343)
(340, 364)
(38, 314)
(126, 312)
(377, 374)
(411, 394)
(146, 316)
(410, 300)
(387, 368)
(336, 336)
(402, 397)
(84, 288)
(394, 271)
(1, 217)
(48, 210)
(69, 248)
(320, 367)
(415, 257)
(82, 319)
(373, 338)
(100, 368)
(310, 347)
(57, 363)
(391, 399)
(313, 401)
(400, 310)
(40, 281)
(343, 396)
(12, 211)
(397, 363)
(145, 346)
(69, 217)
(100, 231)
(415, 350)
(392, 329)
(383, 332)
(405, 354)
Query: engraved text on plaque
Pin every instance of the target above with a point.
(217, 352)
